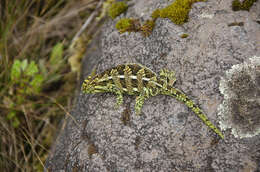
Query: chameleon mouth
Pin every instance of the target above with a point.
(97, 91)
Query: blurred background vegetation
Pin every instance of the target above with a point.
(42, 43)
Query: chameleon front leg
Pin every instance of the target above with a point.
(119, 95)
(119, 98)
(139, 101)
(168, 77)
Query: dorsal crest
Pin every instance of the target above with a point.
(130, 68)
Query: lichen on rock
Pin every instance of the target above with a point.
(240, 109)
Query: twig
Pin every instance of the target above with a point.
(87, 22)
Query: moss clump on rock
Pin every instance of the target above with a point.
(245, 5)
(147, 28)
(177, 12)
(184, 35)
(134, 25)
(156, 14)
(128, 25)
(240, 109)
(116, 9)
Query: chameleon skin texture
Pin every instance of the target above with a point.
(138, 80)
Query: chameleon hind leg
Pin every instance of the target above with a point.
(168, 77)
(119, 95)
(139, 101)
(119, 98)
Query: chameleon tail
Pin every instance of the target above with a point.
(170, 91)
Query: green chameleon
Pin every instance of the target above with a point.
(138, 80)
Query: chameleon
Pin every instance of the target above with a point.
(142, 82)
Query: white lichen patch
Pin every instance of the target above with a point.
(205, 15)
(240, 110)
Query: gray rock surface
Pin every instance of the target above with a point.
(167, 136)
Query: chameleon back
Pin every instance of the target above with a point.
(125, 77)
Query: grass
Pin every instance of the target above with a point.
(36, 84)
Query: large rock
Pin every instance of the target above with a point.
(167, 136)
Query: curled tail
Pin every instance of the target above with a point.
(170, 91)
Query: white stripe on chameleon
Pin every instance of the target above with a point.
(132, 77)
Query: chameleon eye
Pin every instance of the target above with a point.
(89, 77)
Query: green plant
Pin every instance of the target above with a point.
(25, 81)
(25, 77)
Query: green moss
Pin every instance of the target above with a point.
(185, 35)
(245, 5)
(156, 14)
(147, 27)
(134, 25)
(177, 12)
(116, 9)
(128, 25)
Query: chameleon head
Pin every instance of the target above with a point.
(92, 85)
(88, 85)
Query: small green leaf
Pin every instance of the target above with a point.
(11, 115)
(8, 102)
(15, 122)
(24, 64)
(16, 70)
(56, 54)
(36, 83)
(31, 69)
(20, 98)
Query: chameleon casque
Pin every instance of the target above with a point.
(138, 80)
